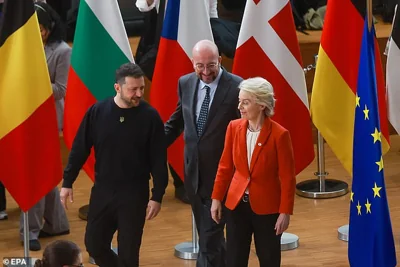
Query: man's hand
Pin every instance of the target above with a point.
(216, 210)
(64, 193)
(282, 223)
(153, 208)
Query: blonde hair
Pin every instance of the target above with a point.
(262, 91)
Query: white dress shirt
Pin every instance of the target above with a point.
(201, 92)
(144, 7)
(251, 140)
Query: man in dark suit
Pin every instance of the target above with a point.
(208, 100)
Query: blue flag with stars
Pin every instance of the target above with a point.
(371, 242)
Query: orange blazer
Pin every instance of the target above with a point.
(271, 177)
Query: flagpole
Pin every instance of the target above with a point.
(343, 231)
(189, 250)
(321, 188)
(26, 235)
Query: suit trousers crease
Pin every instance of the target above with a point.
(109, 212)
(212, 246)
(241, 224)
(49, 209)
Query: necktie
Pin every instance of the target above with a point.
(201, 121)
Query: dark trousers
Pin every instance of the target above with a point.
(241, 224)
(177, 180)
(211, 235)
(123, 210)
(3, 201)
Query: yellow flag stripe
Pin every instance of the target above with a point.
(333, 109)
(22, 90)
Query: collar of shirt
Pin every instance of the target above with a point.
(213, 85)
(201, 92)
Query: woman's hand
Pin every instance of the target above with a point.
(282, 223)
(216, 210)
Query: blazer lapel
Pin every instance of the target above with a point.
(220, 94)
(193, 84)
(262, 139)
(49, 51)
(242, 131)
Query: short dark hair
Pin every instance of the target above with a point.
(59, 253)
(128, 70)
(51, 20)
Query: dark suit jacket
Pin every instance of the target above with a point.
(201, 155)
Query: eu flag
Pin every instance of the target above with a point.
(371, 242)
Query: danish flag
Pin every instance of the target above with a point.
(268, 47)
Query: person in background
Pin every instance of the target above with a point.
(60, 253)
(61, 7)
(3, 203)
(58, 55)
(1, 8)
(147, 5)
(256, 175)
(207, 103)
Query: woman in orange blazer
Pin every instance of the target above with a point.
(256, 175)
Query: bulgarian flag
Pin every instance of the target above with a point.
(30, 160)
(100, 47)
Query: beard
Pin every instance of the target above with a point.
(130, 102)
(209, 78)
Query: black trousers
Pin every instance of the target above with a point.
(3, 201)
(111, 210)
(212, 246)
(241, 224)
(177, 180)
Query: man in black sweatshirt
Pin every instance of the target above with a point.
(129, 144)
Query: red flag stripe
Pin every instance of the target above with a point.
(164, 91)
(77, 102)
(26, 154)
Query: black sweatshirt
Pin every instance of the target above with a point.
(129, 145)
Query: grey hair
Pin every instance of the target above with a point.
(262, 91)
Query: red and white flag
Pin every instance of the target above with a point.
(393, 73)
(268, 48)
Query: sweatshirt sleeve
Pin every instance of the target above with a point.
(80, 150)
(158, 159)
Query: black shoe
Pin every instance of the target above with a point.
(3, 215)
(180, 193)
(43, 234)
(34, 245)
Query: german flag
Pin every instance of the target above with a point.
(334, 98)
(30, 161)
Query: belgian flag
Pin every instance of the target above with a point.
(30, 161)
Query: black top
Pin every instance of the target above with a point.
(129, 144)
